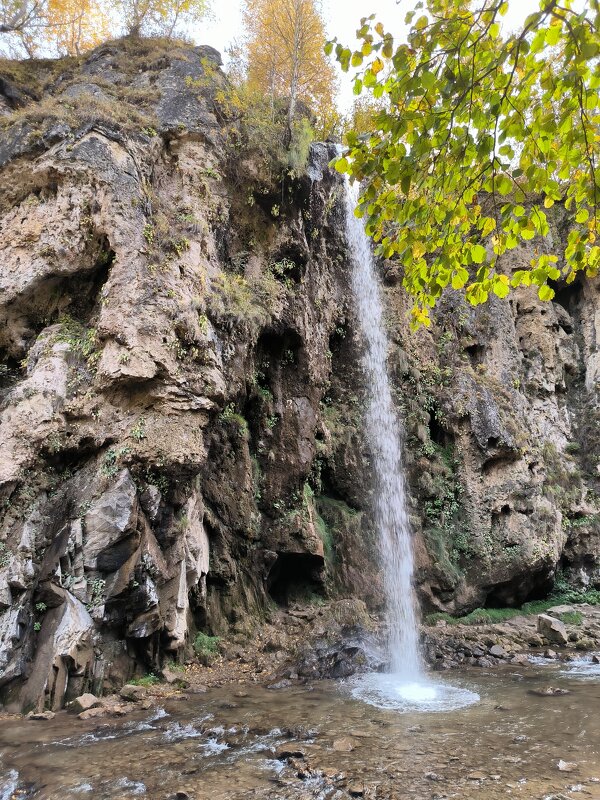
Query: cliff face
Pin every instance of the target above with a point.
(181, 393)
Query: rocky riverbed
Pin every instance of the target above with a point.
(317, 741)
(307, 643)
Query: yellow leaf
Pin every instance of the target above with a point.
(418, 249)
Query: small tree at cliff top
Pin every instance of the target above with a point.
(73, 26)
(284, 55)
(479, 136)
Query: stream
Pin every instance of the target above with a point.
(222, 744)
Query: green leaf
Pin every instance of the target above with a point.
(428, 79)
(460, 278)
(545, 292)
(478, 253)
(553, 35)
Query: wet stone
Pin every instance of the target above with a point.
(133, 693)
(84, 702)
(41, 716)
(289, 750)
(343, 745)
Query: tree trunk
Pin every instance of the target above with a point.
(295, 72)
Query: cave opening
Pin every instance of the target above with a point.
(437, 434)
(295, 577)
(519, 590)
(567, 295)
(476, 353)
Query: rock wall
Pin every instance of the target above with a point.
(181, 392)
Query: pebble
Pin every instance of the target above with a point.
(566, 766)
(476, 776)
(289, 750)
(343, 745)
(355, 791)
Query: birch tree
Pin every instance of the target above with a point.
(285, 56)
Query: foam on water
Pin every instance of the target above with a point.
(9, 784)
(584, 668)
(392, 692)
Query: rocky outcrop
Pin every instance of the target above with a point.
(500, 404)
(180, 408)
(164, 350)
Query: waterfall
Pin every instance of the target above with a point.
(384, 438)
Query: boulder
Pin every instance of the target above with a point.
(94, 713)
(558, 611)
(41, 716)
(174, 676)
(133, 693)
(520, 659)
(497, 651)
(552, 629)
(84, 702)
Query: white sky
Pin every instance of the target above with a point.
(342, 18)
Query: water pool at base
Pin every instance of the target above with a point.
(222, 745)
(395, 693)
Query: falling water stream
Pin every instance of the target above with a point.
(384, 437)
(406, 682)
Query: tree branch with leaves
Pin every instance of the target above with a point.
(479, 135)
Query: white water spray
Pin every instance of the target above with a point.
(384, 437)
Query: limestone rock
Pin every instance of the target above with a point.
(94, 713)
(109, 521)
(289, 750)
(343, 745)
(558, 611)
(41, 716)
(173, 676)
(133, 692)
(567, 766)
(552, 629)
(84, 702)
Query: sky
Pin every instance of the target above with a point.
(342, 18)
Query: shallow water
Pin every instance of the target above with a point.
(221, 744)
